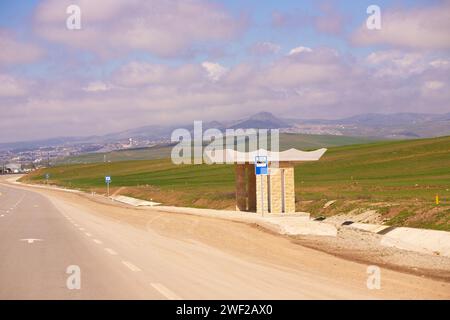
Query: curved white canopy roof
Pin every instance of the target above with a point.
(291, 155)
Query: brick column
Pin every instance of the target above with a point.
(289, 189)
(275, 190)
(251, 187)
(241, 191)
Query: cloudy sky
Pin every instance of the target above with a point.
(137, 63)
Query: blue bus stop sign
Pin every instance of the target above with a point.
(261, 165)
(108, 179)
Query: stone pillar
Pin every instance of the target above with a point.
(289, 189)
(251, 187)
(275, 190)
(241, 190)
(258, 194)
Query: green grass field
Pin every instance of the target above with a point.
(399, 178)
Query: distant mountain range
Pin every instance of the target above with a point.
(383, 126)
(386, 126)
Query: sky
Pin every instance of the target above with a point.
(133, 63)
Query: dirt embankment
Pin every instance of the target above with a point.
(401, 213)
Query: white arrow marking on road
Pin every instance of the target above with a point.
(31, 240)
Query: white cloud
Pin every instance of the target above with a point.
(397, 63)
(299, 50)
(135, 74)
(440, 64)
(97, 86)
(436, 92)
(163, 28)
(434, 85)
(14, 51)
(419, 28)
(215, 71)
(11, 87)
(262, 48)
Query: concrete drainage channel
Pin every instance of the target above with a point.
(433, 242)
(134, 202)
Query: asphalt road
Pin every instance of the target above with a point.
(43, 237)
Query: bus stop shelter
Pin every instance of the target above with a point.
(272, 193)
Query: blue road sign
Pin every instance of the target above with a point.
(107, 179)
(261, 165)
(47, 176)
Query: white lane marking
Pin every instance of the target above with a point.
(17, 203)
(111, 251)
(36, 206)
(31, 240)
(131, 266)
(88, 234)
(97, 241)
(2, 215)
(81, 229)
(76, 225)
(165, 291)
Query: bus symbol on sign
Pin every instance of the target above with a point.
(107, 179)
(261, 165)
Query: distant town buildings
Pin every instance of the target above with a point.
(42, 156)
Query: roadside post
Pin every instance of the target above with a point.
(437, 199)
(47, 176)
(107, 181)
(261, 169)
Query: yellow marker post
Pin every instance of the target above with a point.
(437, 199)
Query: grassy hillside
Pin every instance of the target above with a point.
(398, 178)
(287, 140)
(151, 153)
